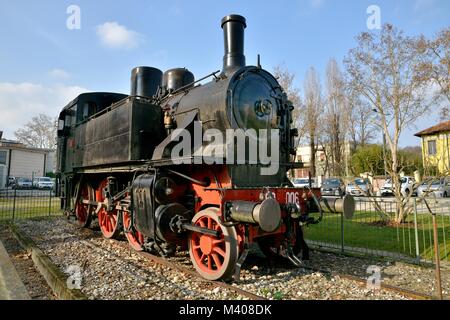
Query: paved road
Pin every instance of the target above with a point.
(438, 205)
(11, 286)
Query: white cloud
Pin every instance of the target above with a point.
(59, 74)
(114, 35)
(19, 102)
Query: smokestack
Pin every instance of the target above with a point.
(233, 33)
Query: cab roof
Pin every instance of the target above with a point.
(110, 97)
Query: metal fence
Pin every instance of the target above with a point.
(374, 231)
(25, 204)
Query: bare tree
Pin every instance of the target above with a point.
(361, 129)
(382, 69)
(336, 117)
(40, 132)
(286, 80)
(312, 113)
(435, 66)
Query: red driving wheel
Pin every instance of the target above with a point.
(83, 211)
(109, 221)
(214, 258)
(134, 237)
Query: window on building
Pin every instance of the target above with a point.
(432, 147)
(3, 155)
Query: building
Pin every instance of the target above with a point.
(304, 155)
(17, 160)
(322, 165)
(436, 147)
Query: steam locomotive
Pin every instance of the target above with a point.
(118, 163)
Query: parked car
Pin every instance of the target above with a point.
(303, 182)
(43, 183)
(407, 186)
(333, 187)
(440, 188)
(358, 187)
(23, 183)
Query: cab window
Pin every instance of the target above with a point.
(89, 109)
(71, 116)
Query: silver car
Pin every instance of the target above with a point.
(23, 183)
(303, 182)
(439, 187)
(333, 187)
(358, 187)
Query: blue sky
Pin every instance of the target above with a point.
(43, 64)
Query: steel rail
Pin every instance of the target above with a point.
(361, 281)
(167, 263)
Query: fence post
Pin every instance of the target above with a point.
(342, 232)
(438, 259)
(416, 233)
(50, 203)
(14, 205)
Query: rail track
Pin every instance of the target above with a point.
(363, 282)
(360, 281)
(175, 266)
(181, 264)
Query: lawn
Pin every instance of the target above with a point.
(366, 231)
(28, 207)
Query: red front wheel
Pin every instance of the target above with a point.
(134, 237)
(214, 258)
(109, 221)
(83, 208)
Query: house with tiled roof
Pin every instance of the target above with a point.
(436, 147)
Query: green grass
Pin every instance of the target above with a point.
(28, 207)
(365, 230)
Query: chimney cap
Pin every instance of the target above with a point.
(234, 17)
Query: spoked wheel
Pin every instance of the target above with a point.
(214, 258)
(83, 210)
(109, 221)
(134, 237)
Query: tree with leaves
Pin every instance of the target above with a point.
(40, 132)
(382, 68)
(368, 158)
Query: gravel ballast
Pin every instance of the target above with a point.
(110, 270)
